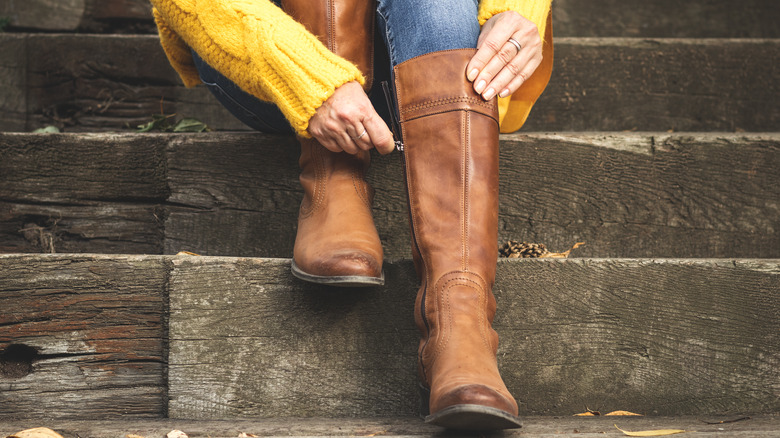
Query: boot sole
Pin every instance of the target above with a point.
(339, 280)
(467, 416)
(473, 417)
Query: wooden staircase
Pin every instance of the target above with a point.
(657, 143)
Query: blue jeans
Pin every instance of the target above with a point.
(405, 29)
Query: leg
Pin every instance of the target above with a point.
(337, 242)
(450, 137)
(253, 112)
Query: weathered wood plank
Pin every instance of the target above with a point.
(94, 82)
(572, 18)
(44, 14)
(618, 84)
(13, 82)
(59, 168)
(640, 195)
(111, 16)
(105, 227)
(666, 18)
(763, 426)
(599, 84)
(92, 329)
(625, 195)
(652, 336)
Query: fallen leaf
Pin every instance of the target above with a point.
(623, 413)
(726, 421)
(246, 435)
(659, 432)
(187, 253)
(38, 432)
(176, 434)
(132, 435)
(561, 255)
(47, 130)
(587, 414)
(190, 125)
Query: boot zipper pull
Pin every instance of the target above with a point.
(394, 125)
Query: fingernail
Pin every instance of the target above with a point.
(472, 75)
(489, 94)
(480, 86)
(504, 93)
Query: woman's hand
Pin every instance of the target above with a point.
(499, 67)
(348, 122)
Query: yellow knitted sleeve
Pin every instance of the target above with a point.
(257, 46)
(534, 10)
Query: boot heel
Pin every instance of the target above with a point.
(425, 400)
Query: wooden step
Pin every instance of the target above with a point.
(601, 18)
(122, 336)
(237, 194)
(666, 18)
(762, 426)
(107, 83)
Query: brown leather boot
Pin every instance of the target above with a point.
(337, 242)
(450, 142)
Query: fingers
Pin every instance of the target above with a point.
(348, 122)
(378, 134)
(498, 67)
(491, 40)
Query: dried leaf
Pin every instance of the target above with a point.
(176, 434)
(246, 435)
(132, 435)
(190, 125)
(587, 414)
(38, 432)
(726, 421)
(561, 255)
(47, 130)
(659, 432)
(187, 253)
(623, 413)
(159, 123)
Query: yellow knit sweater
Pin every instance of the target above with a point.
(271, 56)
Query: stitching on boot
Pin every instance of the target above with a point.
(465, 120)
(440, 102)
(445, 290)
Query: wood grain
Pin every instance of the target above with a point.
(625, 84)
(658, 337)
(95, 324)
(758, 426)
(572, 18)
(625, 195)
(91, 83)
(666, 19)
(247, 340)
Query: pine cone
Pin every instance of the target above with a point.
(513, 250)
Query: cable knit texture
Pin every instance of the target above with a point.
(274, 58)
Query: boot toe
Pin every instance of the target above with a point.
(352, 268)
(474, 407)
(475, 395)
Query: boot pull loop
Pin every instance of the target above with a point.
(394, 125)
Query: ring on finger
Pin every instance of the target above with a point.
(515, 43)
(361, 134)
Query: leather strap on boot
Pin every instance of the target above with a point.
(450, 137)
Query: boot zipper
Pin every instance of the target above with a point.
(396, 128)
